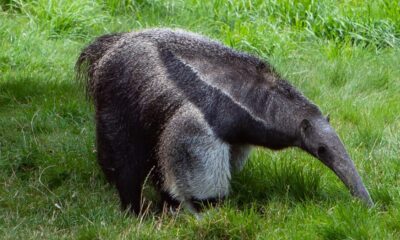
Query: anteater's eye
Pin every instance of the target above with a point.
(321, 151)
(261, 66)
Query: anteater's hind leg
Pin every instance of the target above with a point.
(195, 162)
(129, 184)
(122, 157)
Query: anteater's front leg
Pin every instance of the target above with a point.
(194, 161)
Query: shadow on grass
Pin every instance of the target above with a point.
(28, 96)
(42, 123)
(25, 90)
(264, 179)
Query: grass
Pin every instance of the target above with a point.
(343, 55)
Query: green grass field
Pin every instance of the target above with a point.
(343, 55)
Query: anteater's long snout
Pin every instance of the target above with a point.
(346, 171)
(334, 155)
(319, 139)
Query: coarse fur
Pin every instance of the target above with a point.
(187, 107)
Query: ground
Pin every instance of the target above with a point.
(343, 55)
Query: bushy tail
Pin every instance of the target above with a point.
(89, 57)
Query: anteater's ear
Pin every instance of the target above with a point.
(305, 127)
(261, 66)
(328, 117)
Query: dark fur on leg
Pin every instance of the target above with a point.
(123, 158)
(168, 201)
(129, 186)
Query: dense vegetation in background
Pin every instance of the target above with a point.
(344, 55)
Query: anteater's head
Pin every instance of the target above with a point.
(312, 132)
(319, 139)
